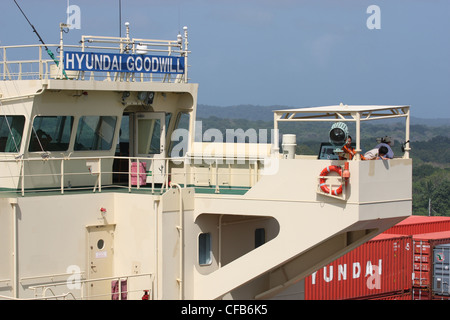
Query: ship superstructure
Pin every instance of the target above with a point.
(105, 194)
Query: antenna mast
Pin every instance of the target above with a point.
(50, 53)
(120, 18)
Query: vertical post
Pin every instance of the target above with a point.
(166, 178)
(185, 171)
(61, 51)
(41, 66)
(22, 176)
(129, 174)
(127, 25)
(62, 176)
(185, 54)
(180, 228)
(83, 50)
(358, 136)
(4, 64)
(155, 291)
(217, 177)
(407, 148)
(276, 147)
(152, 166)
(138, 173)
(120, 20)
(100, 175)
(15, 259)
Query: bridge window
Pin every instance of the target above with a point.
(204, 249)
(51, 133)
(11, 131)
(95, 133)
(149, 133)
(179, 142)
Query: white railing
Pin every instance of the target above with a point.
(187, 169)
(52, 290)
(43, 67)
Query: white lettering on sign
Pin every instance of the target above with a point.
(342, 272)
(329, 277)
(356, 270)
(89, 61)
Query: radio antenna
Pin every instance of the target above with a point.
(120, 18)
(50, 53)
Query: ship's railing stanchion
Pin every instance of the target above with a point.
(152, 166)
(129, 174)
(62, 176)
(22, 176)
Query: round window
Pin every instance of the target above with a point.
(100, 244)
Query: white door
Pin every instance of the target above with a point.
(100, 248)
(150, 141)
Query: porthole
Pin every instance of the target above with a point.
(100, 244)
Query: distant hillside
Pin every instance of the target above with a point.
(265, 113)
(248, 112)
(257, 117)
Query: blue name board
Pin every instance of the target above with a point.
(110, 62)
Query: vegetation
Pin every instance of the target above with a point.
(430, 151)
(431, 190)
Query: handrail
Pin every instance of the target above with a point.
(120, 44)
(23, 279)
(47, 287)
(214, 163)
(65, 295)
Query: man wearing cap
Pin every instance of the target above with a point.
(387, 142)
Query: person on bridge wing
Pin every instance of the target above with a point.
(349, 152)
(377, 153)
(388, 143)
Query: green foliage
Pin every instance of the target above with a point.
(431, 190)
(436, 150)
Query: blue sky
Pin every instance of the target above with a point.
(287, 53)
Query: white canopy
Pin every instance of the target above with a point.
(345, 113)
(342, 113)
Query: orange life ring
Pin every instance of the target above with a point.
(322, 183)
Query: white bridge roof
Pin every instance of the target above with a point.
(342, 112)
(346, 113)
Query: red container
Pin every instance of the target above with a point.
(358, 273)
(395, 296)
(423, 256)
(421, 294)
(420, 224)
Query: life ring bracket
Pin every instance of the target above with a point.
(327, 182)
